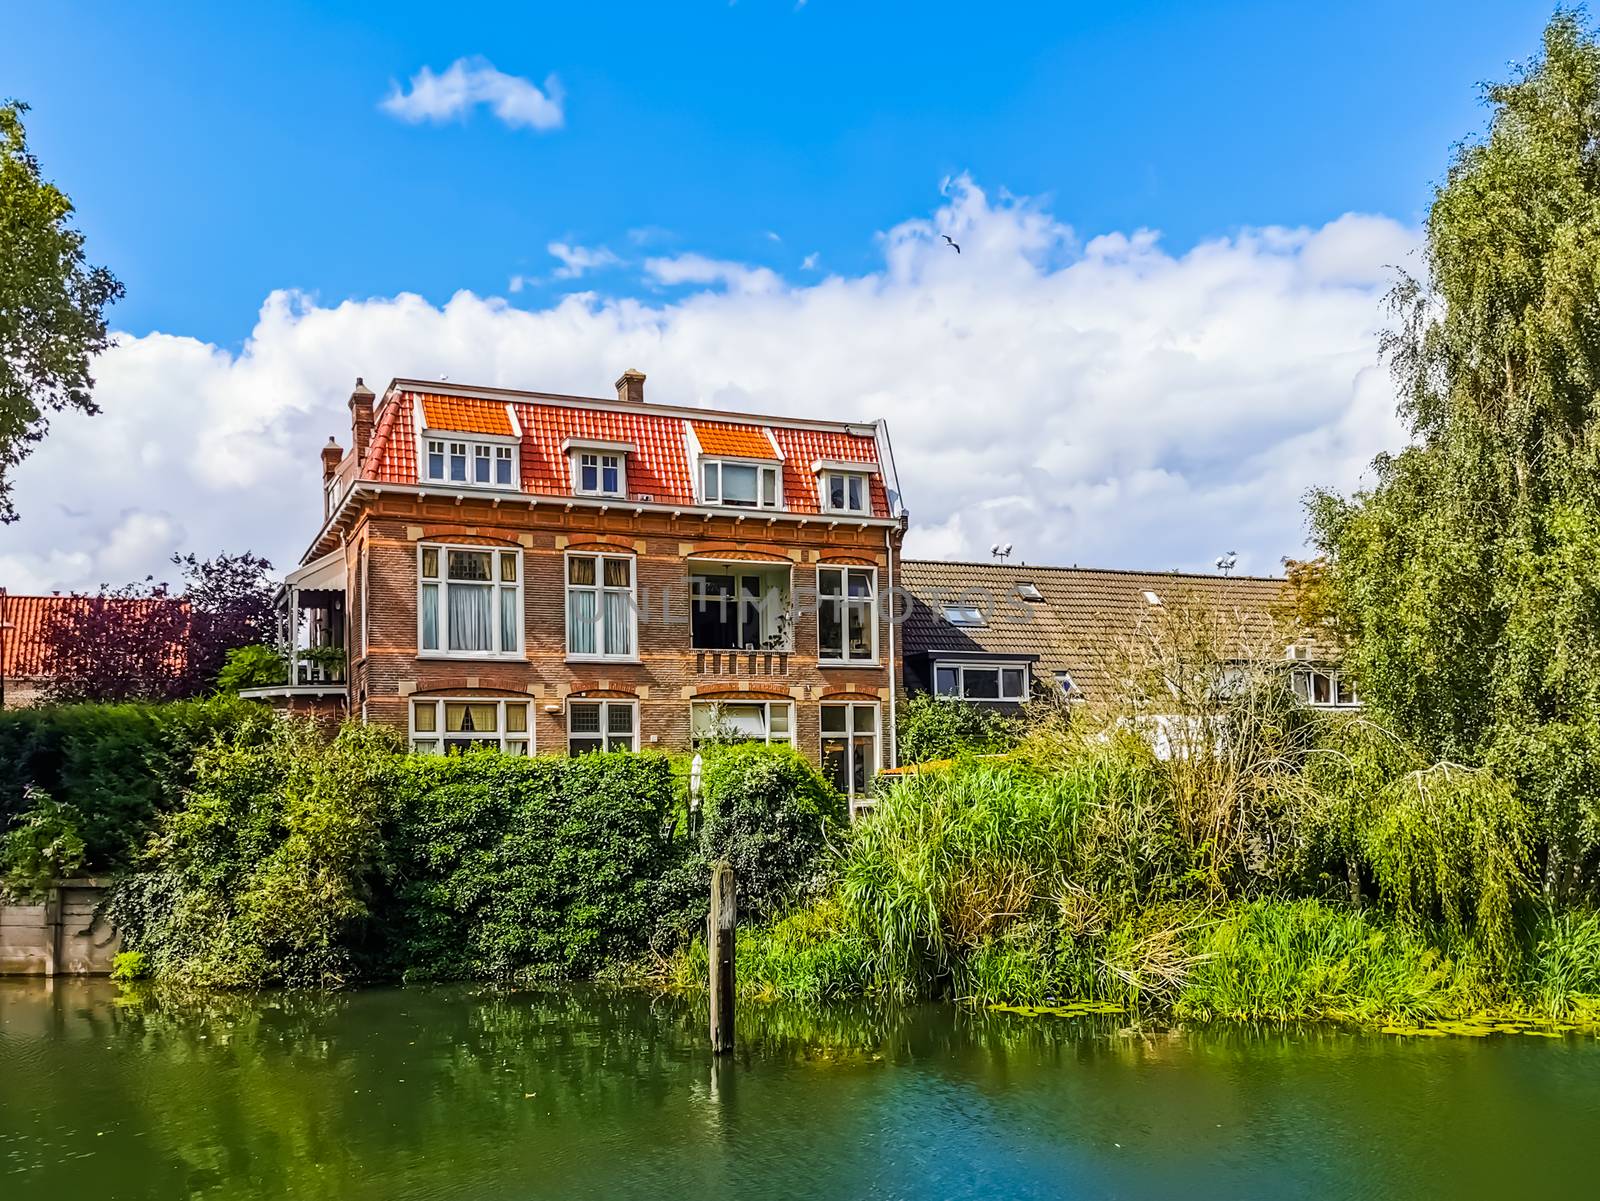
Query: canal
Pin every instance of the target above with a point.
(486, 1094)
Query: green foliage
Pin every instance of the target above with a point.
(263, 876)
(504, 865)
(43, 846)
(931, 727)
(129, 967)
(811, 954)
(52, 304)
(255, 666)
(1564, 980)
(117, 766)
(1468, 579)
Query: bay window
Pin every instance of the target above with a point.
(602, 726)
(743, 485)
(981, 682)
(602, 614)
(850, 749)
(454, 726)
(741, 721)
(469, 601)
(847, 615)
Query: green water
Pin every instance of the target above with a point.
(481, 1094)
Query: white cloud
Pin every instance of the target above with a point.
(809, 263)
(575, 260)
(698, 269)
(469, 82)
(1109, 403)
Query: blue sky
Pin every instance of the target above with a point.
(217, 151)
(1178, 224)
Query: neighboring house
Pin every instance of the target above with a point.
(559, 573)
(22, 648)
(998, 633)
(25, 622)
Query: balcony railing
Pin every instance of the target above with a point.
(741, 663)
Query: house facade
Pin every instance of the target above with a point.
(552, 573)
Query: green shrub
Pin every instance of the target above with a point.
(256, 666)
(130, 966)
(811, 954)
(503, 865)
(931, 727)
(1564, 979)
(42, 847)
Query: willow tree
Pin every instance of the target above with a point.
(1468, 578)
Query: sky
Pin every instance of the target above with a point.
(1177, 222)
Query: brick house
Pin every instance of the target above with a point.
(28, 624)
(551, 573)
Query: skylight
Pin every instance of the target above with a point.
(1151, 598)
(1029, 591)
(964, 615)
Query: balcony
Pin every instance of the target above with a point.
(743, 663)
(741, 622)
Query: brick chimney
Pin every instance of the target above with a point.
(630, 387)
(331, 454)
(360, 420)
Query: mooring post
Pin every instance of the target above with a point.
(720, 932)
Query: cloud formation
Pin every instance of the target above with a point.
(469, 82)
(1104, 403)
(575, 260)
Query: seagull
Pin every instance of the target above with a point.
(952, 242)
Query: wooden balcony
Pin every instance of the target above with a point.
(741, 664)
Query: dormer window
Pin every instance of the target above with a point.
(741, 485)
(479, 464)
(599, 474)
(845, 492)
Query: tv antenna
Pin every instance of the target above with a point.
(1227, 562)
(1000, 551)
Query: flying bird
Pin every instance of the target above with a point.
(952, 242)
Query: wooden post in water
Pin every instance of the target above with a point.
(720, 934)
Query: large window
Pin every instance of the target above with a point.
(981, 682)
(738, 609)
(1324, 688)
(453, 726)
(847, 615)
(469, 601)
(601, 611)
(743, 485)
(481, 464)
(850, 748)
(741, 721)
(602, 726)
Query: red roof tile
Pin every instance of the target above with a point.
(659, 468)
(463, 415)
(801, 448)
(24, 626)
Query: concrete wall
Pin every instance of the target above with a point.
(58, 936)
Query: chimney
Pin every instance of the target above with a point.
(360, 420)
(331, 454)
(630, 387)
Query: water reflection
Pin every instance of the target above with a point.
(491, 1093)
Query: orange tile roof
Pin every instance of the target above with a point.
(659, 469)
(25, 621)
(735, 441)
(462, 415)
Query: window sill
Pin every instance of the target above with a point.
(472, 657)
(623, 659)
(867, 663)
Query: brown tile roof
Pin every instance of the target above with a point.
(1083, 615)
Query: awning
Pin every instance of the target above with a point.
(324, 574)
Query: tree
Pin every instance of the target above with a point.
(1468, 578)
(52, 305)
(145, 642)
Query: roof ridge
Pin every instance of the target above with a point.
(1139, 571)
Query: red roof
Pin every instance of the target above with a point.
(25, 620)
(658, 468)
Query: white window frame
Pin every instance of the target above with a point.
(968, 617)
(366, 607)
(753, 702)
(844, 659)
(861, 479)
(1336, 682)
(604, 735)
(577, 456)
(599, 588)
(862, 801)
(961, 668)
(502, 738)
(499, 590)
(492, 448)
(765, 469)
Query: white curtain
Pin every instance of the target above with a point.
(580, 622)
(617, 640)
(430, 617)
(470, 618)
